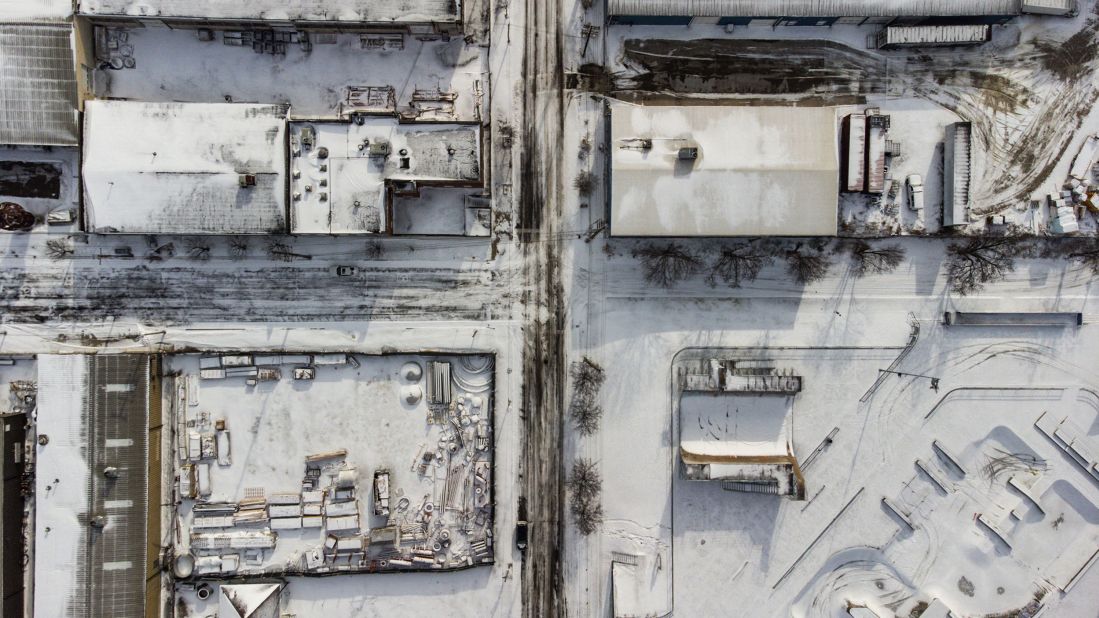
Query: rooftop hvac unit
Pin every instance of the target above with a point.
(247, 180)
(878, 121)
(688, 154)
(378, 148)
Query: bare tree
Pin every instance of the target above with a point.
(587, 379)
(806, 265)
(868, 259)
(283, 252)
(374, 250)
(979, 261)
(198, 250)
(585, 486)
(59, 248)
(585, 182)
(1088, 257)
(739, 264)
(238, 247)
(666, 265)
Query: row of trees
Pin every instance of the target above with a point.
(734, 265)
(971, 264)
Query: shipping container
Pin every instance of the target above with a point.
(892, 37)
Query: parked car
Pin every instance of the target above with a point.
(521, 526)
(914, 186)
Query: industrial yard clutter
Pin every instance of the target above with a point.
(330, 463)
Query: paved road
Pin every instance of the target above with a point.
(544, 349)
(180, 290)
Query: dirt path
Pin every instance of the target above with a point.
(543, 358)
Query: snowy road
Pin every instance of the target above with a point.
(86, 287)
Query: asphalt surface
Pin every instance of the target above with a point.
(544, 348)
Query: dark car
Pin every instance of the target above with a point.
(522, 528)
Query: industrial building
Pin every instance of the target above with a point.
(195, 168)
(723, 171)
(736, 426)
(348, 175)
(827, 12)
(417, 16)
(97, 421)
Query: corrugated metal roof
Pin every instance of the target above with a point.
(374, 11)
(35, 10)
(924, 35)
(37, 85)
(813, 8)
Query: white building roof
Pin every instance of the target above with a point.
(164, 168)
(35, 10)
(813, 8)
(760, 171)
(746, 426)
(349, 196)
(59, 507)
(373, 11)
(249, 601)
(37, 85)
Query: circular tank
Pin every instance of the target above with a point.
(184, 565)
(412, 372)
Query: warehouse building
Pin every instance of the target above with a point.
(416, 16)
(827, 12)
(723, 171)
(194, 168)
(97, 419)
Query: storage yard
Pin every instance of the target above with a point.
(331, 463)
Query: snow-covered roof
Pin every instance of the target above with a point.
(37, 85)
(739, 426)
(345, 192)
(760, 171)
(35, 10)
(813, 8)
(371, 11)
(178, 167)
(249, 601)
(93, 411)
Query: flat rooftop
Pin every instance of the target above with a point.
(343, 171)
(94, 411)
(759, 171)
(164, 168)
(373, 11)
